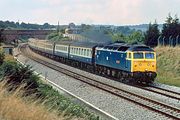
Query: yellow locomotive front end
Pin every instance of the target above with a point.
(143, 65)
(144, 62)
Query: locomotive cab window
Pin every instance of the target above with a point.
(138, 56)
(149, 55)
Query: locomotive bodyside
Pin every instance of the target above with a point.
(113, 59)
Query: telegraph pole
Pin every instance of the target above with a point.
(58, 27)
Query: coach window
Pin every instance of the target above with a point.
(87, 52)
(76, 51)
(80, 51)
(90, 53)
(84, 52)
(72, 50)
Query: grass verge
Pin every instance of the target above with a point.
(168, 65)
(14, 106)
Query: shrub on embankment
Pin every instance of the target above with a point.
(168, 65)
(16, 75)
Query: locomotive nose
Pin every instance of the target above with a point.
(144, 66)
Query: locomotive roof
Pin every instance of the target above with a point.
(124, 47)
(140, 48)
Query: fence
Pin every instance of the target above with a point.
(170, 41)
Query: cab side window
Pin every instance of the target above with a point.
(129, 55)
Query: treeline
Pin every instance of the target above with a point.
(17, 25)
(170, 32)
(169, 35)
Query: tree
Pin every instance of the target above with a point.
(171, 27)
(152, 34)
(2, 56)
(136, 36)
(176, 26)
(55, 36)
(1, 36)
(118, 37)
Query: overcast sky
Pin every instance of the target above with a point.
(116, 12)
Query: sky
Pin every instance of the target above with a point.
(110, 12)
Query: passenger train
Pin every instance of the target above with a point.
(135, 63)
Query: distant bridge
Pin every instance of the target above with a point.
(12, 35)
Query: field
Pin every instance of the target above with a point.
(168, 65)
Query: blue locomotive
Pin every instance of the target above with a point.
(120, 60)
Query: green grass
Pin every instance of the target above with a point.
(168, 65)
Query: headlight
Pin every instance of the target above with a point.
(153, 63)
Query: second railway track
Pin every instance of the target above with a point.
(162, 91)
(164, 109)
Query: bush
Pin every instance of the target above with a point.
(18, 74)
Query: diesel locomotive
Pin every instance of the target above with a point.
(135, 63)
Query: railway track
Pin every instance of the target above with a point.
(164, 109)
(161, 91)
